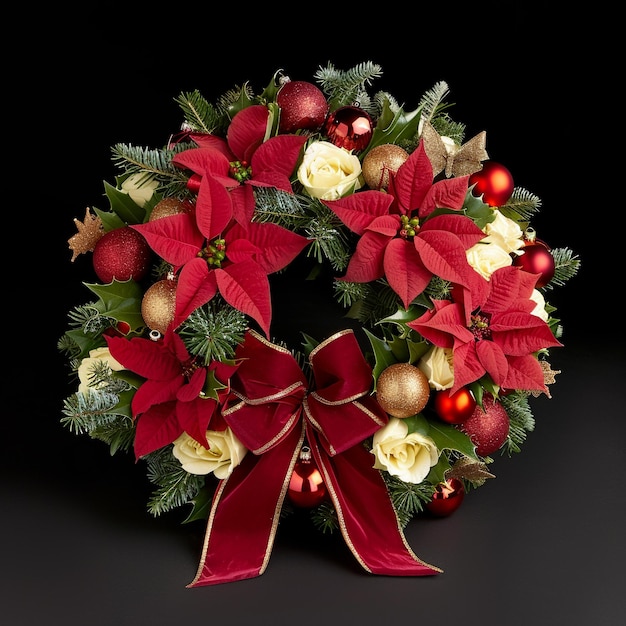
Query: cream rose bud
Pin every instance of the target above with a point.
(505, 233)
(329, 172)
(540, 308)
(224, 454)
(409, 456)
(437, 365)
(140, 187)
(486, 258)
(86, 367)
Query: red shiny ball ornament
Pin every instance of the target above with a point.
(494, 182)
(447, 498)
(306, 487)
(455, 408)
(349, 127)
(488, 426)
(121, 254)
(303, 106)
(537, 259)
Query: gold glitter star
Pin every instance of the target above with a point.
(549, 378)
(89, 231)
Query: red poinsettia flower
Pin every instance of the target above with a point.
(172, 400)
(235, 264)
(230, 168)
(498, 336)
(400, 239)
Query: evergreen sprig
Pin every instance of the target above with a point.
(521, 206)
(344, 87)
(566, 266)
(521, 421)
(200, 115)
(408, 498)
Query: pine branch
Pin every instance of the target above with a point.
(521, 206)
(344, 86)
(324, 518)
(431, 103)
(521, 421)
(176, 487)
(566, 266)
(200, 115)
(408, 499)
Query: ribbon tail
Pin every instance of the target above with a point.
(245, 514)
(368, 521)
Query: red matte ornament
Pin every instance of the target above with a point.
(447, 498)
(306, 486)
(303, 106)
(494, 182)
(488, 426)
(537, 259)
(349, 127)
(455, 408)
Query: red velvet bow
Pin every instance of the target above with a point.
(271, 411)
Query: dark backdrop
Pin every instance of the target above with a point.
(541, 544)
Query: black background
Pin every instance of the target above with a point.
(541, 544)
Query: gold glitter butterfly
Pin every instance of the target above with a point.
(461, 160)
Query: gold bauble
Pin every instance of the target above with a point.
(158, 305)
(166, 207)
(402, 390)
(379, 162)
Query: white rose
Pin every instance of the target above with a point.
(86, 367)
(140, 187)
(224, 454)
(409, 456)
(329, 172)
(504, 232)
(486, 258)
(540, 308)
(437, 365)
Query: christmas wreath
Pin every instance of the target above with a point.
(426, 248)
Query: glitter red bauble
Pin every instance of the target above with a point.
(447, 498)
(488, 428)
(306, 487)
(537, 259)
(303, 106)
(455, 408)
(121, 254)
(349, 127)
(494, 182)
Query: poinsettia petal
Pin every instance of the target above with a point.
(243, 203)
(207, 140)
(205, 162)
(520, 333)
(175, 238)
(493, 360)
(404, 270)
(447, 194)
(153, 392)
(367, 262)
(358, 210)
(443, 327)
(247, 131)
(412, 181)
(462, 226)
(191, 390)
(277, 246)
(466, 365)
(195, 417)
(214, 208)
(146, 358)
(246, 288)
(525, 373)
(196, 286)
(443, 254)
(278, 155)
(156, 428)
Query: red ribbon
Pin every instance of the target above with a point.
(271, 411)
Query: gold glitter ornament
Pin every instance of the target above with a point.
(402, 390)
(380, 162)
(159, 304)
(167, 207)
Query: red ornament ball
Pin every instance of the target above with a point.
(447, 498)
(349, 127)
(455, 408)
(306, 487)
(494, 182)
(537, 259)
(121, 254)
(303, 106)
(488, 428)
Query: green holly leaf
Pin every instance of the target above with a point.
(83, 341)
(123, 206)
(383, 354)
(437, 472)
(201, 506)
(212, 386)
(120, 300)
(481, 213)
(448, 437)
(394, 127)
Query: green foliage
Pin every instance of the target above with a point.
(521, 421)
(324, 518)
(408, 499)
(200, 115)
(213, 331)
(175, 486)
(344, 87)
(521, 206)
(566, 266)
